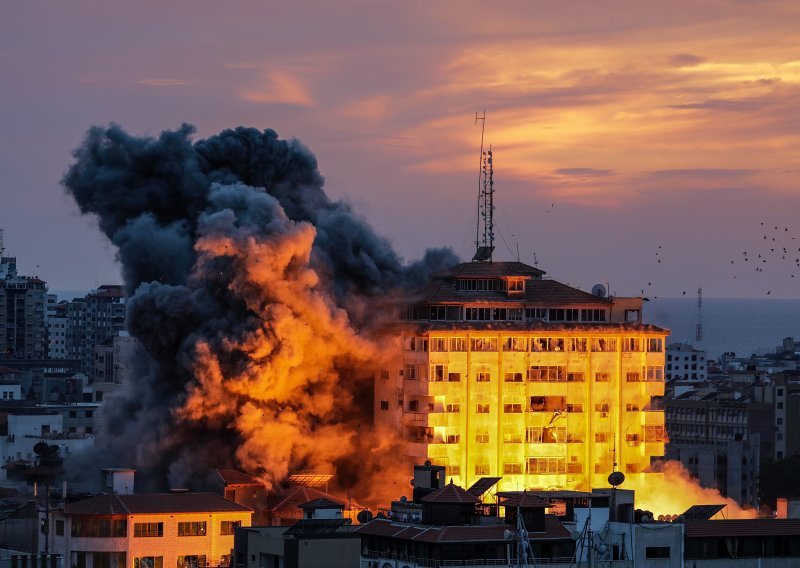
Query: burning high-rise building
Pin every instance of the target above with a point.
(507, 373)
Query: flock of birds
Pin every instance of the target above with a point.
(778, 249)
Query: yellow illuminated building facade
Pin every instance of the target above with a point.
(506, 373)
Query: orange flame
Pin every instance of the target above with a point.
(672, 490)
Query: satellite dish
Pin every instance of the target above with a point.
(404, 499)
(364, 516)
(616, 478)
(599, 290)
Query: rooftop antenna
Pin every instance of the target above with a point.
(2, 248)
(698, 336)
(484, 239)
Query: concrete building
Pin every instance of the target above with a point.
(56, 328)
(506, 373)
(718, 441)
(94, 320)
(114, 363)
(22, 313)
(323, 537)
(156, 530)
(685, 363)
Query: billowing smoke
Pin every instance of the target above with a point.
(258, 300)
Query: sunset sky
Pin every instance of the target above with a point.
(624, 132)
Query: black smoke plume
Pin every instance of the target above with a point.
(255, 298)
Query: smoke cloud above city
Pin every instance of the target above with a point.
(257, 300)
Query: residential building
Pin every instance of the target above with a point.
(94, 320)
(155, 530)
(685, 363)
(507, 373)
(22, 313)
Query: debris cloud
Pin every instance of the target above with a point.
(258, 301)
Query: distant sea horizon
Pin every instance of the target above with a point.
(743, 325)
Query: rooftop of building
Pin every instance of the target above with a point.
(538, 325)
(553, 530)
(539, 292)
(153, 503)
(742, 527)
(489, 270)
(450, 493)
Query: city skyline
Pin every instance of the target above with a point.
(664, 136)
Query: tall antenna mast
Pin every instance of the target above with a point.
(698, 337)
(484, 230)
(2, 248)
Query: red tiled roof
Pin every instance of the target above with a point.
(115, 504)
(235, 477)
(488, 269)
(525, 500)
(742, 527)
(450, 493)
(294, 495)
(554, 530)
(537, 293)
(321, 503)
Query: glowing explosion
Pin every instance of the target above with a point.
(257, 301)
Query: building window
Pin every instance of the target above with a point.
(515, 344)
(602, 377)
(513, 377)
(481, 438)
(438, 344)
(512, 408)
(483, 344)
(148, 562)
(482, 409)
(516, 285)
(499, 314)
(574, 377)
(593, 315)
(563, 314)
(438, 313)
(194, 561)
(482, 469)
(478, 314)
(632, 407)
(515, 314)
(601, 344)
(654, 374)
(656, 552)
(633, 377)
(411, 372)
(451, 470)
(574, 408)
(631, 344)
(458, 344)
(227, 527)
(452, 407)
(601, 407)
(413, 406)
(577, 344)
(780, 406)
(454, 377)
(59, 528)
(482, 377)
(438, 372)
(192, 529)
(452, 439)
(601, 437)
(512, 468)
(148, 529)
(99, 528)
(384, 405)
(549, 374)
(545, 466)
(655, 344)
(535, 313)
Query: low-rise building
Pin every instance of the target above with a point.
(155, 530)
